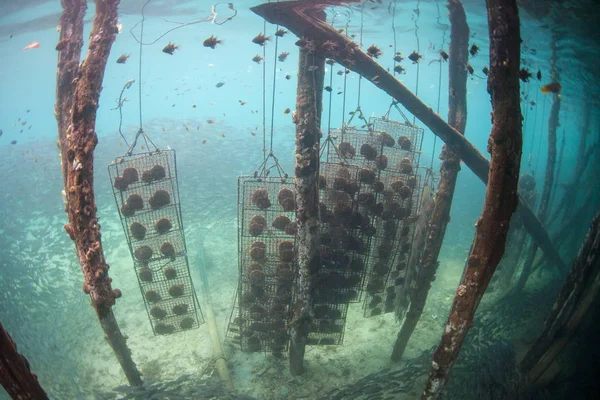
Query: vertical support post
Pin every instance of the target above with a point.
(78, 92)
(309, 97)
(457, 118)
(505, 145)
(553, 124)
(15, 375)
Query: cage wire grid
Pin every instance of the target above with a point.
(267, 267)
(147, 198)
(388, 153)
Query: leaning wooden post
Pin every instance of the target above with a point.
(77, 103)
(309, 96)
(457, 118)
(501, 200)
(578, 294)
(15, 375)
(292, 15)
(553, 124)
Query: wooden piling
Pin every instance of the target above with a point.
(309, 99)
(457, 118)
(505, 146)
(78, 92)
(15, 375)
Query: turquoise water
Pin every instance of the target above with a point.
(41, 302)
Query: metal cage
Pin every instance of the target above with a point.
(147, 197)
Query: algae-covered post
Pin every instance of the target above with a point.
(457, 118)
(505, 145)
(290, 14)
(578, 294)
(309, 98)
(15, 375)
(78, 92)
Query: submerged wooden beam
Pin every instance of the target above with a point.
(501, 200)
(309, 104)
(293, 15)
(15, 375)
(457, 118)
(576, 297)
(77, 103)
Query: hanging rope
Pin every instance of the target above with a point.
(345, 82)
(533, 135)
(439, 17)
(119, 107)
(211, 18)
(418, 13)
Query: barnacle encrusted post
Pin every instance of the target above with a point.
(291, 14)
(457, 118)
(572, 304)
(501, 200)
(78, 92)
(309, 96)
(15, 375)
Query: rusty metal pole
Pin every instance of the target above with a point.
(309, 97)
(457, 118)
(501, 200)
(15, 375)
(77, 103)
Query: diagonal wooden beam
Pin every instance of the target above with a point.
(295, 16)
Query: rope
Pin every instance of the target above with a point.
(439, 16)
(274, 81)
(418, 12)
(120, 103)
(264, 96)
(345, 87)
(533, 136)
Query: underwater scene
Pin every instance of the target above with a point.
(287, 199)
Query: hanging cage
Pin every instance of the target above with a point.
(147, 197)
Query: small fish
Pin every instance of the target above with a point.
(219, 84)
(257, 58)
(280, 32)
(341, 30)
(340, 72)
(170, 48)
(222, 135)
(122, 58)
(374, 51)
(13, 142)
(485, 70)
(398, 57)
(328, 88)
(211, 42)
(242, 103)
(32, 45)
(193, 106)
(164, 130)
(444, 55)
(470, 69)
(399, 69)
(313, 68)
(474, 50)
(340, 92)
(532, 103)
(553, 87)
(525, 75)
(414, 57)
(283, 56)
(187, 128)
(260, 39)
(539, 75)
(205, 141)
(253, 133)
(287, 111)
(288, 77)
(210, 121)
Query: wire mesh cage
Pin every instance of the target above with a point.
(267, 262)
(388, 163)
(147, 197)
